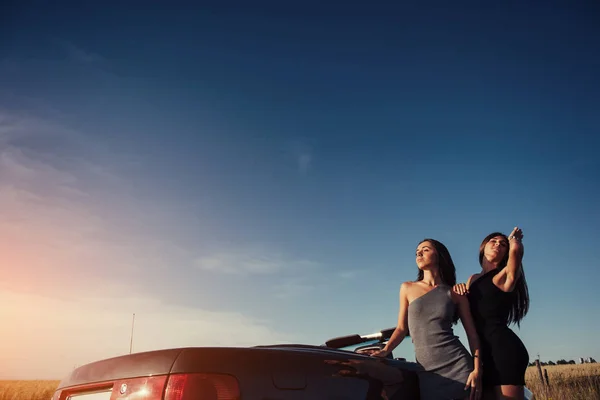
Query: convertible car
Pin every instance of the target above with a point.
(340, 369)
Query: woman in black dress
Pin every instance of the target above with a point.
(498, 297)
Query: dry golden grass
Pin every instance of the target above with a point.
(576, 382)
(27, 390)
(567, 382)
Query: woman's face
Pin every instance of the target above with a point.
(495, 249)
(426, 256)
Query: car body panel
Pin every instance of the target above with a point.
(312, 370)
(151, 363)
(283, 373)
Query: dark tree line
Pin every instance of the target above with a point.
(559, 362)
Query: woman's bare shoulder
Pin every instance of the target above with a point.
(410, 284)
(407, 286)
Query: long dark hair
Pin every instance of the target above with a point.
(446, 267)
(520, 295)
(445, 263)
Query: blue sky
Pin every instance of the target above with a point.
(248, 174)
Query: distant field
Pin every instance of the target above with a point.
(577, 382)
(27, 390)
(567, 382)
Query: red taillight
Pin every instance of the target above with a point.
(202, 387)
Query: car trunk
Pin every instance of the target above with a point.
(230, 374)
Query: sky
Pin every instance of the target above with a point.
(254, 173)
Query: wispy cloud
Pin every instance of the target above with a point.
(349, 274)
(79, 252)
(302, 155)
(79, 54)
(293, 288)
(251, 261)
(71, 213)
(9, 65)
(92, 328)
(56, 217)
(304, 162)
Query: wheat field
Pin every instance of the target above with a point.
(567, 382)
(576, 382)
(27, 390)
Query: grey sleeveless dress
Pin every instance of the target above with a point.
(445, 360)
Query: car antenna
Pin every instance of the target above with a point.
(131, 341)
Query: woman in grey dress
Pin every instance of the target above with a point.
(428, 308)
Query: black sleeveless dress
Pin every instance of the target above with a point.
(504, 358)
